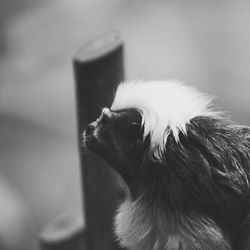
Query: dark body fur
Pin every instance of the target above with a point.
(206, 172)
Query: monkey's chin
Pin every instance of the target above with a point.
(91, 145)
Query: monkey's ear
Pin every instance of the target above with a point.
(148, 158)
(243, 235)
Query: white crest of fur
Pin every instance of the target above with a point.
(165, 106)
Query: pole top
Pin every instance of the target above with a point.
(99, 47)
(62, 228)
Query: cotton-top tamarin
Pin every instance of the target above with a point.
(186, 165)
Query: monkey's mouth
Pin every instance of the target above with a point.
(85, 140)
(90, 141)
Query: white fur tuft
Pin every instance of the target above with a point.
(165, 106)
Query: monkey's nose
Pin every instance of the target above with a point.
(89, 129)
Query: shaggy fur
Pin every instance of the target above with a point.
(185, 165)
(138, 227)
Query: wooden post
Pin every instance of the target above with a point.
(65, 232)
(98, 68)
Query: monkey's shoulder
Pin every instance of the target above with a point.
(140, 226)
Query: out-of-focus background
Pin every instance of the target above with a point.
(204, 43)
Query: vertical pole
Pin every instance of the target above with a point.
(65, 232)
(98, 69)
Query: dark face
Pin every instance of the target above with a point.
(117, 137)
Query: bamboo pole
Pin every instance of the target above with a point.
(98, 69)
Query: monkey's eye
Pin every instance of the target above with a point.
(135, 131)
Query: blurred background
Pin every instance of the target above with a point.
(203, 43)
